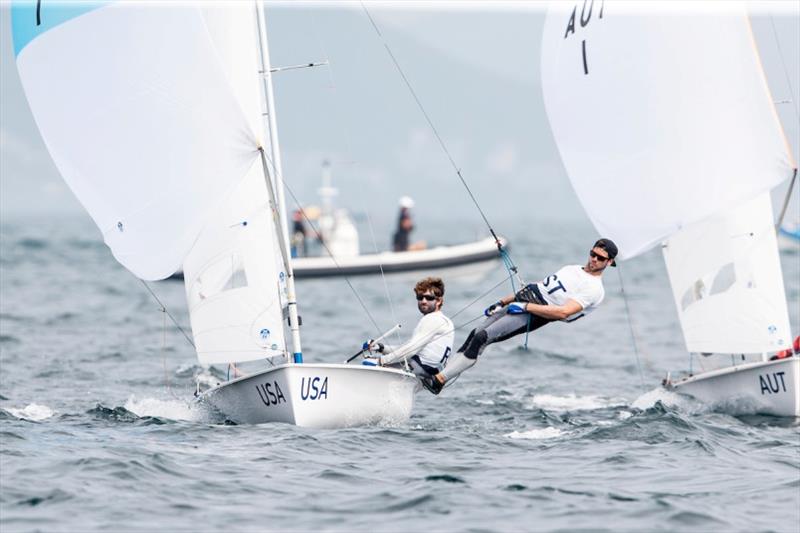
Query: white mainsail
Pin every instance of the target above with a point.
(726, 279)
(668, 133)
(234, 280)
(662, 117)
(137, 113)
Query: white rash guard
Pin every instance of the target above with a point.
(432, 341)
(571, 282)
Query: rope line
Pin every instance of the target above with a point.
(783, 63)
(335, 262)
(164, 310)
(163, 350)
(630, 325)
(280, 181)
(432, 126)
(383, 276)
(786, 201)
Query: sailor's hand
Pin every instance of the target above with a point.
(492, 309)
(517, 308)
(372, 346)
(371, 361)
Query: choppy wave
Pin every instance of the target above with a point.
(525, 440)
(571, 402)
(536, 434)
(682, 403)
(173, 409)
(29, 243)
(32, 411)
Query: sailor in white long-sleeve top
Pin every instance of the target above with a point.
(432, 341)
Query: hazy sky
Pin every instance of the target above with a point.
(475, 69)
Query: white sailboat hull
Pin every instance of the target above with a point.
(317, 396)
(767, 387)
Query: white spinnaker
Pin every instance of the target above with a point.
(135, 110)
(727, 283)
(232, 275)
(666, 121)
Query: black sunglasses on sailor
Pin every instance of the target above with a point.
(598, 256)
(428, 297)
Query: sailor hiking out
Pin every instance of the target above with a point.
(571, 293)
(430, 344)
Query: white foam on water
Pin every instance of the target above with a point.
(571, 402)
(536, 434)
(207, 378)
(670, 399)
(170, 409)
(32, 411)
(484, 402)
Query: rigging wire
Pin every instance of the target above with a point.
(164, 350)
(383, 277)
(435, 131)
(165, 311)
(786, 201)
(796, 112)
(785, 71)
(334, 87)
(281, 181)
(630, 325)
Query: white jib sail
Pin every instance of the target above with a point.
(135, 110)
(662, 117)
(233, 277)
(727, 283)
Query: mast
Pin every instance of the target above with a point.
(277, 169)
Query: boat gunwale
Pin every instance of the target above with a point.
(730, 370)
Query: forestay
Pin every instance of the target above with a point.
(662, 118)
(726, 280)
(137, 113)
(234, 284)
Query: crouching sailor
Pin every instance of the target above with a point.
(567, 295)
(432, 341)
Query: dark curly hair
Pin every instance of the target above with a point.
(435, 285)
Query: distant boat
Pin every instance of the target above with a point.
(340, 255)
(388, 262)
(668, 133)
(153, 114)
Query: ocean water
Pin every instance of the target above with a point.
(98, 430)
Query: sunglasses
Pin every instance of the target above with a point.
(428, 297)
(598, 256)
